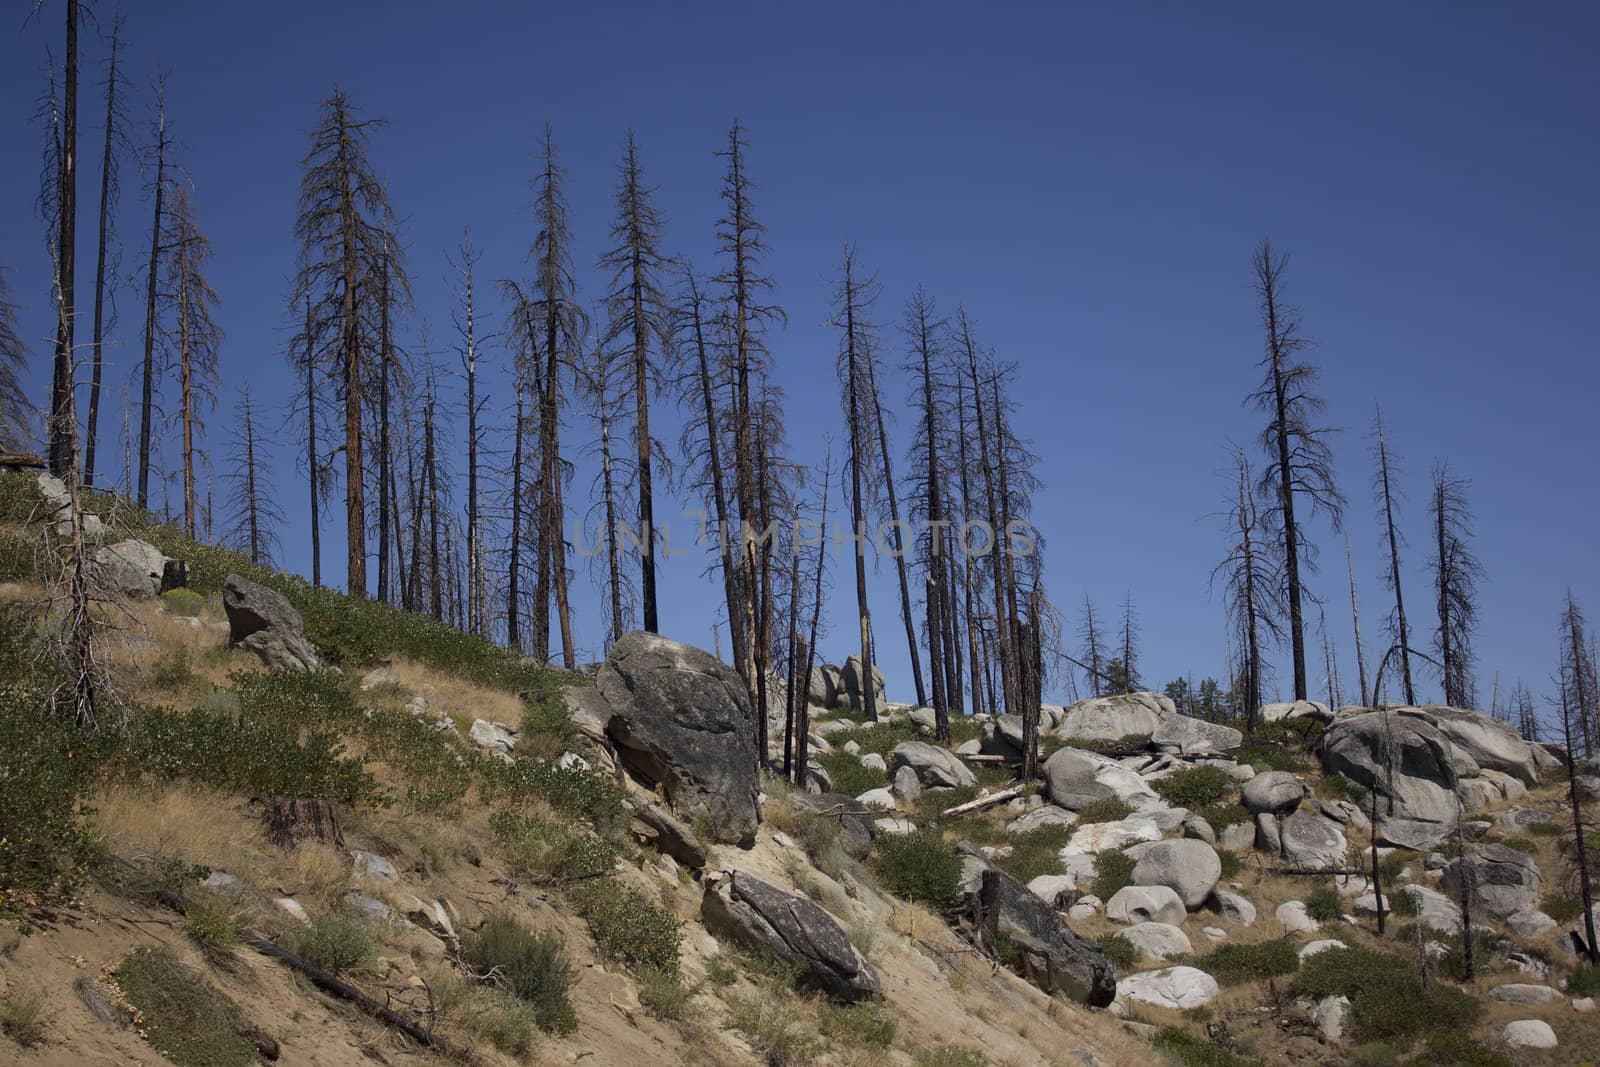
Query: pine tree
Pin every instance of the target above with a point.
(1301, 460)
(194, 337)
(63, 419)
(254, 517)
(853, 300)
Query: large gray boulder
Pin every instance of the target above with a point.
(1503, 880)
(1112, 718)
(591, 715)
(1491, 743)
(263, 622)
(1076, 778)
(851, 687)
(763, 917)
(823, 689)
(1146, 903)
(130, 568)
(1042, 948)
(1425, 765)
(1188, 867)
(1297, 709)
(935, 767)
(1312, 842)
(1278, 792)
(681, 719)
(1002, 737)
(1175, 988)
(1191, 736)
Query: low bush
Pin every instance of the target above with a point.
(1192, 1051)
(1544, 829)
(545, 851)
(1562, 909)
(948, 1056)
(506, 1023)
(20, 556)
(1324, 904)
(173, 671)
(1459, 1049)
(626, 927)
(1107, 809)
(1387, 1000)
(578, 793)
(1119, 950)
(211, 928)
(663, 993)
(533, 967)
(1232, 964)
(1225, 815)
(1338, 787)
(23, 1016)
(865, 1026)
(183, 1018)
(848, 775)
(773, 1031)
(1521, 844)
(1265, 756)
(819, 836)
(721, 973)
(1112, 871)
(1034, 853)
(1231, 863)
(1584, 981)
(183, 602)
(919, 866)
(335, 942)
(547, 727)
(1196, 787)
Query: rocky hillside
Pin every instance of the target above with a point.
(323, 832)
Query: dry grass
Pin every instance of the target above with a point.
(201, 825)
(461, 700)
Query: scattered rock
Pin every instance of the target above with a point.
(1076, 778)
(1277, 792)
(1232, 907)
(1179, 988)
(1523, 993)
(881, 798)
(1048, 815)
(1529, 923)
(1413, 834)
(130, 568)
(1503, 880)
(853, 818)
(1112, 718)
(905, 785)
(1087, 907)
(368, 908)
(1298, 709)
(263, 622)
(1146, 903)
(1054, 889)
(1158, 941)
(1313, 948)
(874, 761)
(671, 835)
(1191, 736)
(761, 916)
(1190, 868)
(373, 867)
(1291, 914)
(1529, 1033)
(1584, 1004)
(1345, 813)
(935, 767)
(1237, 836)
(1200, 830)
(1100, 836)
(494, 737)
(100, 1003)
(1312, 842)
(223, 884)
(1266, 836)
(292, 908)
(682, 720)
(1045, 950)
(1332, 1016)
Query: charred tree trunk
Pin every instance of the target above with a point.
(108, 170)
(63, 419)
(150, 326)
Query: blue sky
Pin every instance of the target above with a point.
(1088, 180)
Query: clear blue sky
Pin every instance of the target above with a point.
(1088, 180)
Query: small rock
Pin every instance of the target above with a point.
(1583, 1004)
(367, 907)
(373, 867)
(1312, 948)
(1232, 907)
(1331, 1016)
(1189, 867)
(1267, 839)
(223, 884)
(1146, 903)
(1237, 836)
(1276, 792)
(1530, 923)
(1087, 907)
(1292, 915)
(291, 907)
(1053, 888)
(1196, 827)
(1529, 1033)
(1045, 815)
(493, 736)
(1523, 993)
(1158, 940)
(906, 786)
(1179, 988)
(1215, 933)
(854, 749)
(896, 826)
(881, 799)
(872, 761)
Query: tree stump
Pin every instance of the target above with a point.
(174, 575)
(291, 820)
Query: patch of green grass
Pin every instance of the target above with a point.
(1119, 950)
(1562, 909)
(773, 1031)
(185, 602)
(544, 851)
(857, 1026)
(948, 1056)
(182, 1017)
(848, 775)
(1265, 756)
(1191, 1051)
(1106, 809)
(721, 973)
(919, 866)
(335, 942)
(1461, 1050)
(1387, 1001)
(1338, 787)
(1112, 871)
(1034, 853)
(1584, 981)
(533, 967)
(1521, 844)
(1196, 787)
(19, 556)
(547, 727)
(1232, 964)
(23, 1016)
(1224, 815)
(1393, 865)
(1231, 863)
(211, 928)
(1544, 829)
(1324, 904)
(627, 927)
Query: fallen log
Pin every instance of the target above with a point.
(984, 802)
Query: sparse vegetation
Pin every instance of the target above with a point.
(182, 1017)
(774, 1032)
(335, 942)
(545, 851)
(1584, 981)
(1324, 904)
(1192, 1051)
(860, 1026)
(1112, 871)
(1231, 863)
(1196, 788)
(531, 966)
(211, 928)
(848, 775)
(919, 866)
(1238, 962)
(948, 1056)
(1387, 1001)
(1107, 809)
(1119, 950)
(1034, 853)
(24, 1017)
(1561, 908)
(626, 927)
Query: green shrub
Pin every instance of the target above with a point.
(848, 775)
(532, 966)
(1234, 963)
(19, 557)
(1544, 829)
(173, 671)
(211, 928)
(1192, 1051)
(185, 602)
(1107, 809)
(184, 1019)
(1324, 904)
(919, 866)
(626, 927)
(773, 1032)
(1562, 909)
(1034, 853)
(1374, 1054)
(1338, 787)
(819, 836)
(1112, 871)
(948, 1056)
(1270, 757)
(1119, 950)
(857, 1026)
(23, 1016)
(1584, 981)
(1521, 844)
(1231, 863)
(545, 851)
(663, 993)
(506, 1023)
(720, 973)
(19, 496)
(571, 791)
(1400, 902)
(547, 727)
(1196, 787)
(1224, 815)
(335, 942)
(1387, 1001)
(1460, 1049)
(1392, 866)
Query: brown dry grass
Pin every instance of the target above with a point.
(201, 825)
(461, 700)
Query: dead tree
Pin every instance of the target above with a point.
(922, 329)
(638, 316)
(1577, 673)
(110, 188)
(874, 400)
(1130, 647)
(1385, 491)
(153, 267)
(469, 341)
(1300, 458)
(600, 383)
(342, 226)
(741, 244)
(194, 338)
(809, 647)
(853, 299)
(394, 379)
(16, 423)
(310, 382)
(63, 418)
(1252, 587)
(254, 517)
(1355, 618)
(1456, 571)
(1093, 653)
(1577, 681)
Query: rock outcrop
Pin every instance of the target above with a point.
(760, 916)
(1426, 765)
(130, 568)
(1503, 880)
(1040, 946)
(263, 622)
(1076, 778)
(1188, 867)
(935, 767)
(681, 719)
